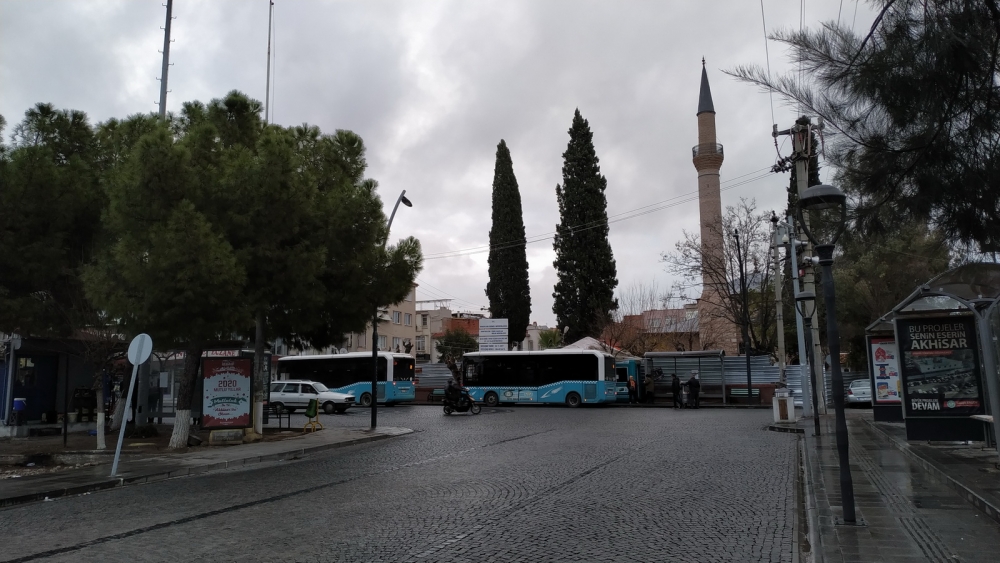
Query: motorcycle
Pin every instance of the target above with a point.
(465, 403)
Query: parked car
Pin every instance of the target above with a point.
(295, 394)
(859, 392)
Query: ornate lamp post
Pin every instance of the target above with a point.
(805, 301)
(826, 206)
(401, 199)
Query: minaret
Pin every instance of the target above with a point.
(708, 160)
(707, 157)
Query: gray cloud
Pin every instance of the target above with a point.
(433, 86)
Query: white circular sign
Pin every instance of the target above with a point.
(140, 349)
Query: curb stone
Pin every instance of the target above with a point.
(154, 475)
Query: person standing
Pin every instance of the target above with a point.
(675, 388)
(632, 391)
(650, 385)
(695, 388)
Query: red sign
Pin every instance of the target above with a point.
(226, 397)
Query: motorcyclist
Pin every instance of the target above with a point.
(453, 391)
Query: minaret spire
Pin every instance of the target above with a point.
(707, 155)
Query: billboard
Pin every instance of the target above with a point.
(227, 392)
(886, 386)
(940, 367)
(493, 335)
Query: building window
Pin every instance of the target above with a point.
(350, 341)
(421, 344)
(423, 320)
(654, 323)
(409, 296)
(407, 319)
(397, 344)
(382, 342)
(361, 340)
(397, 317)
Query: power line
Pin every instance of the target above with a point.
(767, 57)
(584, 226)
(666, 204)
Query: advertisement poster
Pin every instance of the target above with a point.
(227, 394)
(885, 370)
(940, 367)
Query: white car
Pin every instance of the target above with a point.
(295, 394)
(859, 392)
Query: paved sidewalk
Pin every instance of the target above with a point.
(147, 468)
(909, 509)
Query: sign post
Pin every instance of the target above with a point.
(493, 335)
(138, 352)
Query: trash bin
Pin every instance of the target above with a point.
(20, 406)
(784, 406)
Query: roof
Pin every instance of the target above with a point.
(382, 353)
(976, 285)
(705, 95)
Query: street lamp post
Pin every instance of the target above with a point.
(745, 315)
(828, 204)
(804, 303)
(401, 199)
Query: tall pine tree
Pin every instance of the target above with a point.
(508, 290)
(584, 294)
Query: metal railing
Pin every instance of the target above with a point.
(706, 149)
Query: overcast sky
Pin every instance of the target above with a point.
(432, 87)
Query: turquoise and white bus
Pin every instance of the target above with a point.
(571, 377)
(352, 373)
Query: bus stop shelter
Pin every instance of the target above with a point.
(945, 333)
(710, 365)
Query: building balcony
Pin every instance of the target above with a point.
(706, 149)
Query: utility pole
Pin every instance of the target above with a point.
(804, 363)
(779, 315)
(802, 151)
(166, 61)
(267, 93)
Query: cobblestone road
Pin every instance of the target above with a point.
(521, 484)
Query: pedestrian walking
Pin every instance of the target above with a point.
(694, 388)
(650, 384)
(675, 389)
(632, 391)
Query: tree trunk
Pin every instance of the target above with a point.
(185, 395)
(260, 382)
(118, 417)
(100, 415)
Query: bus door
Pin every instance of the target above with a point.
(621, 381)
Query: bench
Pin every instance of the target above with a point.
(742, 393)
(273, 410)
(987, 421)
(435, 396)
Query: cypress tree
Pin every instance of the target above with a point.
(587, 277)
(508, 289)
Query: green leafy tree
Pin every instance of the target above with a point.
(874, 275)
(915, 103)
(508, 289)
(551, 338)
(585, 265)
(455, 342)
(51, 201)
(170, 270)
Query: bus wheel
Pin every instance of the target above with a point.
(573, 400)
(491, 399)
(366, 399)
(328, 407)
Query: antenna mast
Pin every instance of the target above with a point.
(267, 94)
(166, 62)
